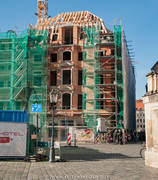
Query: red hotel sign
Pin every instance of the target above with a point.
(4, 139)
(11, 133)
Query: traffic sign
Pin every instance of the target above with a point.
(36, 108)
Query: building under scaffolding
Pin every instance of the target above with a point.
(76, 54)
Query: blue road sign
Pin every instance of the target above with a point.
(35, 107)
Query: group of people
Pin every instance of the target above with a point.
(121, 136)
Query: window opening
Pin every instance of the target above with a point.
(66, 101)
(66, 77)
(55, 37)
(80, 76)
(67, 56)
(53, 78)
(112, 52)
(79, 101)
(100, 53)
(68, 38)
(80, 56)
(101, 79)
(101, 101)
(53, 57)
(70, 123)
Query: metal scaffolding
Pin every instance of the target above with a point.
(102, 78)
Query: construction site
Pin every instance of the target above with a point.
(76, 54)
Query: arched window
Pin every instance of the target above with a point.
(66, 56)
(66, 101)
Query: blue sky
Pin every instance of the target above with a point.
(139, 19)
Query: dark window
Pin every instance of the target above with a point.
(80, 77)
(70, 123)
(101, 79)
(66, 101)
(79, 101)
(112, 52)
(55, 124)
(79, 124)
(53, 78)
(67, 56)
(80, 56)
(55, 37)
(68, 38)
(50, 132)
(101, 102)
(100, 53)
(53, 57)
(63, 123)
(66, 77)
(37, 58)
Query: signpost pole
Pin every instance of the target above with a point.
(36, 132)
(36, 108)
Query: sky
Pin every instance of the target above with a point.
(138, 17)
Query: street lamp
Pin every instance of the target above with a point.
(53, 100)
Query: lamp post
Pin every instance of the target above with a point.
(53, 100)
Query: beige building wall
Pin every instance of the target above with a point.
(151, 123)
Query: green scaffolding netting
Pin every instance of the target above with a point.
(90, 76)
(23, 72)
(118, 40)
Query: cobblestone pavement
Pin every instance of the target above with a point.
(87, 162)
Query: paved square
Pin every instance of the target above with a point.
(88, 162)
